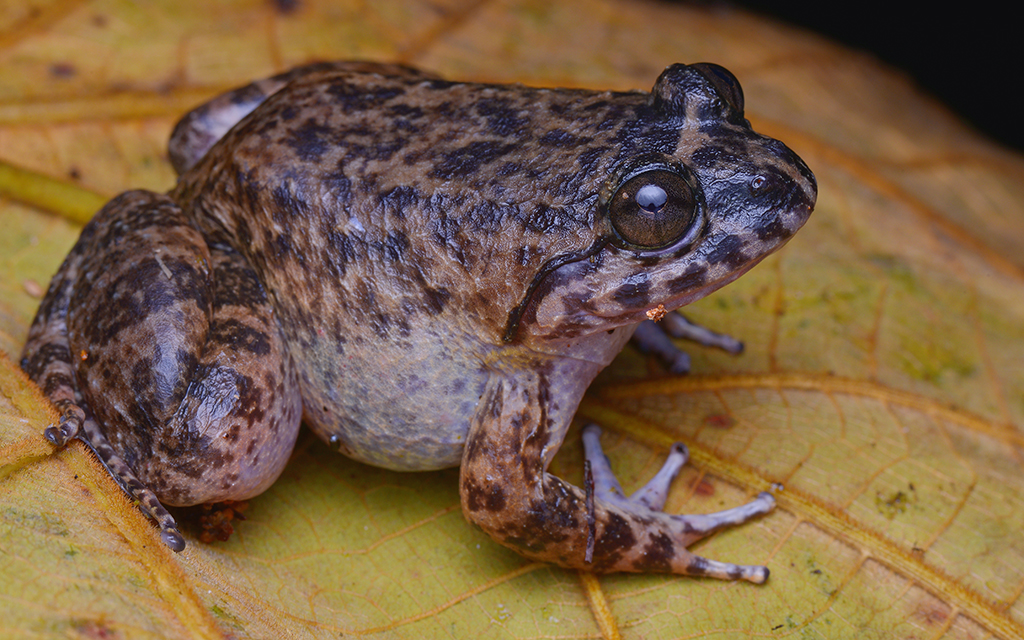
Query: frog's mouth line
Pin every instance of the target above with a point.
(516, 315)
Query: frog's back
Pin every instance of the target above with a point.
(402, 219)
(422, 179)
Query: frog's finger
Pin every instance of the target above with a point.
(727, 571)
(707, 523)
(606, 485)
(651, 338)
(653, 494)
(679, 326)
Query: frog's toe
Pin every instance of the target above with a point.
(61, 433)
(125, 476)
(172, 538)
(71, 418)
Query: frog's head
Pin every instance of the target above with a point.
(695, 199)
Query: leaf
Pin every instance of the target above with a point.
(882, 383)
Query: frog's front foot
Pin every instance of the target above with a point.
(506, 490)
(651, 498)
(655, 337)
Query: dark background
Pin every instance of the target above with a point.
(967, 54)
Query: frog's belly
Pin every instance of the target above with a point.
(408, 413)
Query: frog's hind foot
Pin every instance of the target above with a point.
(71, 419)
(138, 492)
(47, 361)
(655, 338)
(651, 498)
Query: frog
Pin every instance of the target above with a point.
(428, 274)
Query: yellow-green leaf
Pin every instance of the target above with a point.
(882, 384)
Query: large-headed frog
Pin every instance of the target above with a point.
(430, 274)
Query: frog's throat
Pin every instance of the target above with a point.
(516, 315)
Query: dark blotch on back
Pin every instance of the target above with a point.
(360, 97)
(311, 141)
(562, 138)
(470, 159)
(504, 118)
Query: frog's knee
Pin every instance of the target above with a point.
(230, 441)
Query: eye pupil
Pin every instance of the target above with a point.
(653, 208)
(651, 198)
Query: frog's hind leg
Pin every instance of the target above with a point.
(47, 359)
(179, 372)
(507, 491)
(139, 492)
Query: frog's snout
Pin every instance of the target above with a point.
(810, 188)
(803, 186)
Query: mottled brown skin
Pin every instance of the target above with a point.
(430, 272)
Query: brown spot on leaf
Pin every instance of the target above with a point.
(63, 70)
(719, 421)
(704, 488)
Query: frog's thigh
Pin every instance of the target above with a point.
(243, 409)
(181, 361)
(506, 491)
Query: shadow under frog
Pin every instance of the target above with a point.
(430, 273)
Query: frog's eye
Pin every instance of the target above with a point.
(653, 209)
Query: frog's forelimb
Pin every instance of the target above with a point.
(506, 490)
